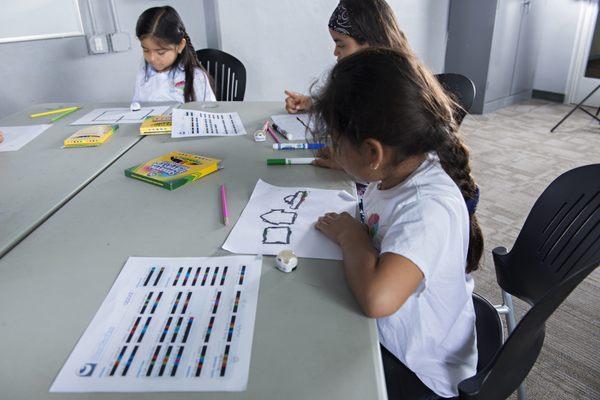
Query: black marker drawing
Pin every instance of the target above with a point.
(277, 235)
(296, 199)
(279, 217)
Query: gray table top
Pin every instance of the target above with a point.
(41, 176)
(311, 339)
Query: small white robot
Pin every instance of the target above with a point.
(286, 261)
(259, 136)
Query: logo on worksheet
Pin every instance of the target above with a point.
(373, 224)
(180, 85)
(87, 369)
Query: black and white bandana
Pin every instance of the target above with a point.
(340, 22)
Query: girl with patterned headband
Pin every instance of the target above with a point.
(355, 25)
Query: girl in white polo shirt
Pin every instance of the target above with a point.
(171, 71)
(390, 123)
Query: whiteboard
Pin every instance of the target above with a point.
(23, 20)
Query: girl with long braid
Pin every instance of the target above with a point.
(389, 122)
(171, 71)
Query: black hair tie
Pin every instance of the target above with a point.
(473, 201)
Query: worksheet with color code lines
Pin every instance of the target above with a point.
(170, 324)
(193, 123)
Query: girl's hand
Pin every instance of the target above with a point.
(325, 159)
(295, 102)
(342, 228)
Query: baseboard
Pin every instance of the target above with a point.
(494, 105)
(550, 96)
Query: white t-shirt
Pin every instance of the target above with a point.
(151, 85)
(425, 219)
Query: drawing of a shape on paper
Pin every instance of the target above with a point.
(296, 199)
(279, 217)
(119, 115)
(277, 235)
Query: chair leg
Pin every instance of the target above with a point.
(508, 310)
(510, 314)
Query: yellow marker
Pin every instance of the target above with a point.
(57, 111)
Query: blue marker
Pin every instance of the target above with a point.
(297, 146)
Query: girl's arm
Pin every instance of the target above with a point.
(380, 284)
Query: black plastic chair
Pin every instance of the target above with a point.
(558, 246)
(462, 90)
(228, 73)
(489, 331)
(489, 340)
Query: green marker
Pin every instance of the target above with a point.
(290, 161)
(71, 111)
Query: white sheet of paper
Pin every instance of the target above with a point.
(278, 218)
(102, 116)
(192, 123)
(16, 137)
(170, 324)
(290, 123)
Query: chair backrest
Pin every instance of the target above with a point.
(462, 90)
(509, 367)
(228, 74)
(489, 331)
(560, 236)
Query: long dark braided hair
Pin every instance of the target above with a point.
(165, 25)
(389, 95)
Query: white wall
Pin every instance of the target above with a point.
(60, 70)
(285, 44)
(558, 24)
(425, 23)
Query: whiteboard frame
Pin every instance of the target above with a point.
(28, 38)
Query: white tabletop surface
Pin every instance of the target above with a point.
(311, 339)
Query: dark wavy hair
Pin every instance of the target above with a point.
(389, 95)
(165, 25)
(375, 23)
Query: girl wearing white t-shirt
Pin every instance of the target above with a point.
(171, 71)
(390, 123)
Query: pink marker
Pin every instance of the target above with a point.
(224, 205)
(275, 138)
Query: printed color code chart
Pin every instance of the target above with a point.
(192, 123)
(170, 324)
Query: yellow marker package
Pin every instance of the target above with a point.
(90, 136)
(156, 125)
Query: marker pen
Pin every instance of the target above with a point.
(290, 161)
(297, 146)
(282, 131)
